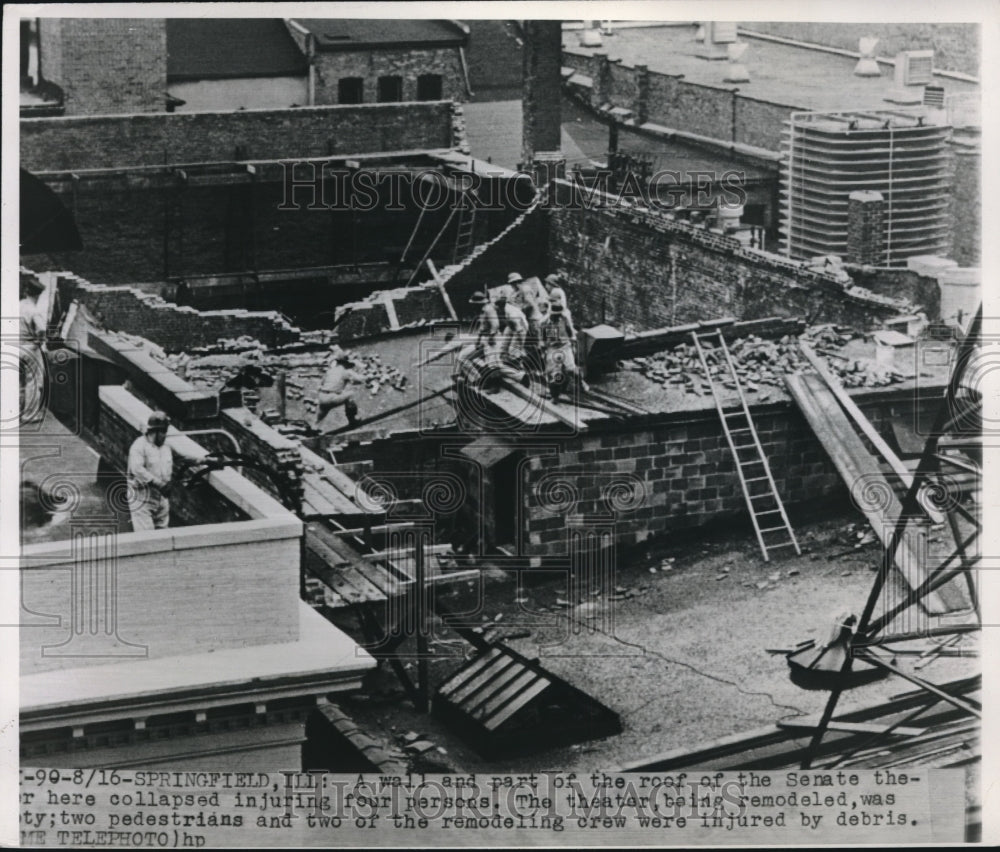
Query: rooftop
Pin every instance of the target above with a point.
(224, 48)
(802, 78)
(340, 34)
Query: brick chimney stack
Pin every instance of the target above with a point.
(541, 95)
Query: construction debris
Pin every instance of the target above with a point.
(759, 361)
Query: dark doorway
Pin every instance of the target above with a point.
(507, 501)
(429, 87)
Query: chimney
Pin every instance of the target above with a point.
(541, 92)
(866, 228)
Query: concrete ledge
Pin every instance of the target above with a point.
(47, 554)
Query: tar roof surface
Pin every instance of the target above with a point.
(353, 34)
(798, 77)
(224, 48)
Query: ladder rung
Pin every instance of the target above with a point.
(782, 544)
(773, 529)
(758, 479)
(741, 429)
(765, 494)
(744, 446)
(750, 463)
(768, 512)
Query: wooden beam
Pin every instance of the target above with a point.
(864, 424)
(810, 722)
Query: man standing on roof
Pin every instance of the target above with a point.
(150, 470)
(514, 330)
(336, 390)
(487, 324)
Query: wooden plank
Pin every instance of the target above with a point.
(463, 674)
(524, 679)
(474, 707)
(316, 499)
(855, 464)
(484, 677)
(810, 722)
(864, 424)
(343, 563)
(444, 293)
(517, 702)
(570, 418)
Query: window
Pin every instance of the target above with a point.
(390, 89)
(429, 87)
(351, 90)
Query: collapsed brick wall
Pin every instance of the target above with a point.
(62, 144)
(638, 268)
(176, 328)
(713, 111)
(680, 474)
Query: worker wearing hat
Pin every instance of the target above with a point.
(513, 325)
(336, 389)
(150, 470)
(487, 324)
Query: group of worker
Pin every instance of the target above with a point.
(525, 331)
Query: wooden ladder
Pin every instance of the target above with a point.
(767, 512)
(466, 227)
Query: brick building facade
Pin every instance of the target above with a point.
(383, 61)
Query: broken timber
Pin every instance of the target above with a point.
(857, 466)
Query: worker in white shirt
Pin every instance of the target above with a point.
(514, 330)
(31, 339)
(336, 389)
(150, 471)
(559, 342)
(487, 325)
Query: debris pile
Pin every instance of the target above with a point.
(759, 361)
(212, 367)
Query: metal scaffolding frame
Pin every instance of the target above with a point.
(955, 426)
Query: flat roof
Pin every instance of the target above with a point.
(799, 77)
(227, 48)
(342, 34)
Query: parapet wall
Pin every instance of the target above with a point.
(174, 327)
(232, 581)
(157, 139)
(719, 112)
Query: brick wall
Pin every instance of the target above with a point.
(175, 328)
(713, 111)
(678, 474)
(278, 454)
(61, 144)
(966, 203)
(904, 284)
(371, 64)
(643, 269)
(106, 64)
